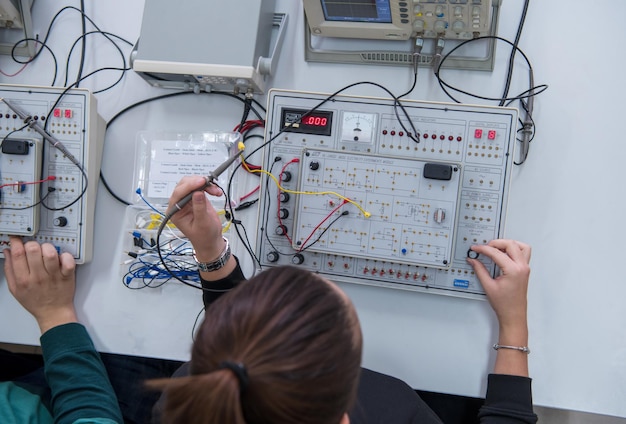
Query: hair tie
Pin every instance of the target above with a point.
(239, 370)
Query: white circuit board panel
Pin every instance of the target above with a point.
(409, 217)
(430, 196)
(20, 166)
(62, 201)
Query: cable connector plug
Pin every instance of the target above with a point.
(417, 52)
(245, 205)
(137, 253)
(438, 52)
(526, 134)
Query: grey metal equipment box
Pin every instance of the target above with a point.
(207, 44)
(16, 28)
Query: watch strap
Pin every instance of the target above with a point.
(216, 264)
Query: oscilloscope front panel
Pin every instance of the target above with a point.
(358, 196)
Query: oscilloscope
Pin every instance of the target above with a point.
(399, 19)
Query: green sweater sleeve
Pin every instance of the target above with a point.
(77, 378)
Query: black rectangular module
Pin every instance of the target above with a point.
(303, 121)
(437, 171)
(11, 146)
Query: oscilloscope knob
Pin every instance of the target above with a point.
(283, 213)
(458, 26)
(283, 197)
(440, 26)
(281, 230)
(297, 259)
(285, 177)
(418, 25)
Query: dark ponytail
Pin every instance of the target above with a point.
(206, 398)
(296, 340)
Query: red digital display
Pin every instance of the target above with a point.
(318, 122)
(315, 121)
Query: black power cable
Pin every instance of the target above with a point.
(83, 44)
(162, 97)
(518, 35)
(526, 98)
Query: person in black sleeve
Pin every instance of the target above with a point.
(285, 345)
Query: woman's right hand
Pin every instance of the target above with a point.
(507, 293)
(198, 220)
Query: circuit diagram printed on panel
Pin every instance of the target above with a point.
(366, 195)
(20, 168)
(410, 215)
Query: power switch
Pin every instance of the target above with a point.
(437, 171)
(15, 147)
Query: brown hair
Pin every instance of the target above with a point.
(299, 340)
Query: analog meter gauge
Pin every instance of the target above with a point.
(358, 127)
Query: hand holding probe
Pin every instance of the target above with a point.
(209, 179)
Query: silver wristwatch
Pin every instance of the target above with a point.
(216, 264)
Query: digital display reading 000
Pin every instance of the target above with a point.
(299, 121)
(315, 121)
